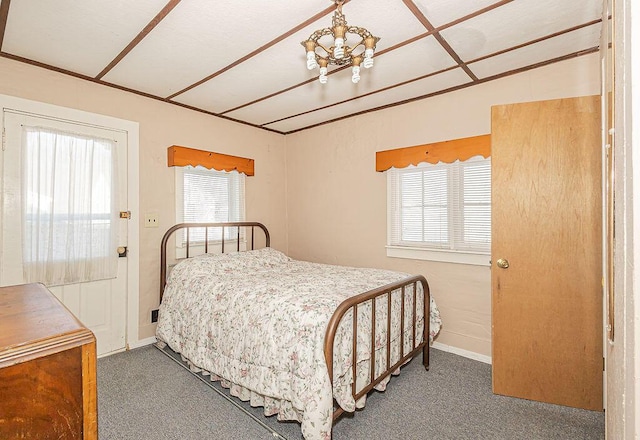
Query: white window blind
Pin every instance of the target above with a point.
(205, 195)
(69, 207)
(442, 206)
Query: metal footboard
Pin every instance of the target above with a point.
(353, 304)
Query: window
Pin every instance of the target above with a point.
(70, 219)
(204, 195)
(441, 212)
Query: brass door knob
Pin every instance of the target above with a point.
(502, 263)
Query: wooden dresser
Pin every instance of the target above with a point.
(47, 368)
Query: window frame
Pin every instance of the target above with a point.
(397, 248)
(236, 186)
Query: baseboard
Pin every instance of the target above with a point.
(464, 353)
(142, 342)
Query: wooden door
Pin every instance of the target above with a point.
(547, 224)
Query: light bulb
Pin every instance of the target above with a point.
(368, 58)
(323, 75)
(311, 60)
(338, 52)
(356, 74)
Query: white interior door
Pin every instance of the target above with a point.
(100, 305)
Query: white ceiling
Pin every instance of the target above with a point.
(242, 59)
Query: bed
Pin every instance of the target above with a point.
(278, 332)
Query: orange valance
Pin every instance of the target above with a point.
(178, 156)
(447, 151)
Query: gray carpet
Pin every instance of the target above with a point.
(146, 394)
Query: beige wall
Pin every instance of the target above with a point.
(337, 202)
(163, 125)
(316, 190)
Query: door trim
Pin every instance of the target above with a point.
(133, 188)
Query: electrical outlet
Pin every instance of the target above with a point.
(151, 220)
(154, 315)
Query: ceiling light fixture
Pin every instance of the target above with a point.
(337, 51)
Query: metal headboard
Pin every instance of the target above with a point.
(207, 227)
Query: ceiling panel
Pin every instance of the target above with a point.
(552, 48)
(423, 87)
(200, 37)
(80, 36)
(426, 55)
(516, 23)
(270, 71)
(440, 12)
(284, 64)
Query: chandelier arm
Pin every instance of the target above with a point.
(350, 48)
(328, 51)
(319, 34)
(362, 32)
(347, 52)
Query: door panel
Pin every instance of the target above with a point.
(100, 305)
(546, 222)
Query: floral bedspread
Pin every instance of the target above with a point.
(256, 321)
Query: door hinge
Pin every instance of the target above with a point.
(4, 137)
(604, 364)
(125, 214)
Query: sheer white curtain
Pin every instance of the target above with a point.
(69, 207)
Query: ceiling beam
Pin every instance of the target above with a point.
(379, 53)
(478, 81)
(271, 95)
(4, 15)
(384, 89)
(537, 40)
(453, 89)
(126, 89)
(276, 40)
(143, 33)
(474, 14)
(427, 24)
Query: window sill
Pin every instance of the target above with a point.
(456, 257)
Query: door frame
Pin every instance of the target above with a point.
(133, 185)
